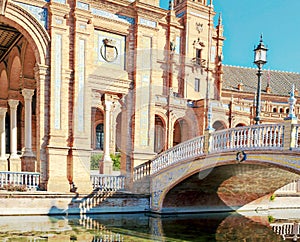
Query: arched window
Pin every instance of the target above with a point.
(99, 137)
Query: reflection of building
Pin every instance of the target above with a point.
(128, 76)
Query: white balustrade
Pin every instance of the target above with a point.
(267, 136)
(17, 180)
(141, 171)
(107, 182)
(289, 188)
(297, 136)
(184, 151)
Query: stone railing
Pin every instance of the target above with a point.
(142, 170)
(292, 187)
(297, 136)
(267, 136)
(108, 183)
(19, 181)
(184, 151)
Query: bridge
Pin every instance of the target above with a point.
(218, 171)
(223, 170)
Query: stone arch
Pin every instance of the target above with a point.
(15, 68)
(31, 29)
(240, 125)
(3, 83)
(180, 131)
(240, 120)
(159, 134)
(29, 63)
(219, 125)
(97, 118)
(164, 181)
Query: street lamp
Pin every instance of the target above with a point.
(260, 58)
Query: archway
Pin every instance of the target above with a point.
(181, 131)
(159, 140)
(219, 125)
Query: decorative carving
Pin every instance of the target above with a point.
(199, 27)
(108, 50)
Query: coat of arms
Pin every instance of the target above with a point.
(108, 50)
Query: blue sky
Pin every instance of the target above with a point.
(245, 20)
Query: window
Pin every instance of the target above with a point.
(99, 137)
(197, 85)
(198, 56)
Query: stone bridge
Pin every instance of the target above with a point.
(224, 170)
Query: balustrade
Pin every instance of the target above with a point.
(19, 180)
(108, 183)
(141, 171)
(297, 136)
(268, 136)
(184, 151)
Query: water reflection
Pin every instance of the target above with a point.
(263, 226)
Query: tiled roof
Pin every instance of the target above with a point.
(280, 81)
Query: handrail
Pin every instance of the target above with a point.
(142, 170)
(266, 136)
(186, 150)
(107, 182)
(19, 181)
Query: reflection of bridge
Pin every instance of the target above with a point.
(249, 162)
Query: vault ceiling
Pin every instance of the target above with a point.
(9, 36)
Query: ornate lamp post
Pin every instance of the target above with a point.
(260, 58)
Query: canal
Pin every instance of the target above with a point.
(277, 225)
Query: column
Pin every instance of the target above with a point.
(14, 159)
(107, 162)
(27, 94)
(3, 158)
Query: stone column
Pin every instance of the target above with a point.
(15, 164)
(3, 158)
(28, 93)
(106, 160)
(28, 158)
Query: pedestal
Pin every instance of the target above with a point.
(3, 164)
(29, 163)
(14, 163)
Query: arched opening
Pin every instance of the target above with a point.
(159, 136)
(240, 125)
(98, 129)
(99, 137)
(181, 131)
(218, 125)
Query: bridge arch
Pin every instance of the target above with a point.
(278, 169)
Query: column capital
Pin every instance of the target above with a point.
(13, 103)
(27, 94)
(3, 111)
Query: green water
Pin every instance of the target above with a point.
(148, 227)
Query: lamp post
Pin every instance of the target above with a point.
(260, 58)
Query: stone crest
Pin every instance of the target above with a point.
(108, 50)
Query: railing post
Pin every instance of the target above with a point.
(289, 139)
(207, 140)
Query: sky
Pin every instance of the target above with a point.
(245, 20)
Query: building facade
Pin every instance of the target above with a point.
(112, 76)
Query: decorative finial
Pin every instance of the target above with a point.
(261, 38)
(220, 19)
